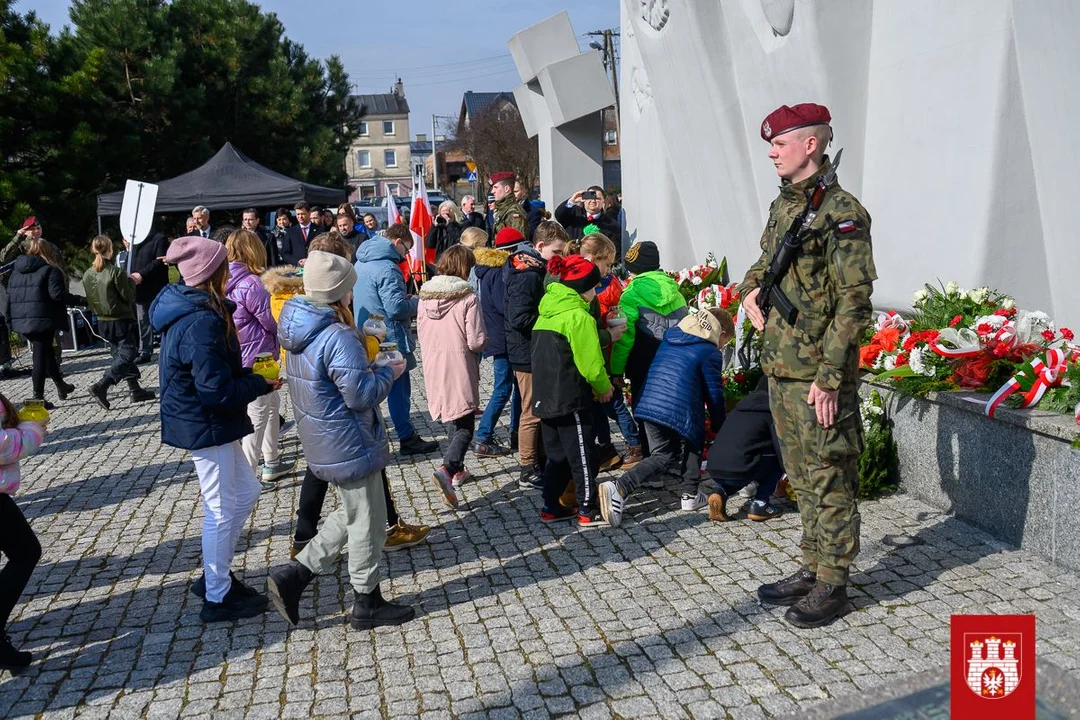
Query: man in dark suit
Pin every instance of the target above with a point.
(534, 209)
(299, 236)
(202, 222)
(586, 207)
(250, 221)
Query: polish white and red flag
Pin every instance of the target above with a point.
(420, 222)
(392, 215)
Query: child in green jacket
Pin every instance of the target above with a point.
(110, 293)
(568, 374)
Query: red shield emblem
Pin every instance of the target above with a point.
(993, 666)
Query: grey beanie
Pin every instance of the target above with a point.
(327, 277)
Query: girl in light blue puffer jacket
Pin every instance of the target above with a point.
(336, 394)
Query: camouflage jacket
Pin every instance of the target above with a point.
(509, 213)
(830, 282)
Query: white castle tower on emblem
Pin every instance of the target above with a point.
(999, 666)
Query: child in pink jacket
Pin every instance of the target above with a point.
(17, 539)
(451, 329)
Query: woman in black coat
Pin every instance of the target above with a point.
(37, 299)
(447, 229)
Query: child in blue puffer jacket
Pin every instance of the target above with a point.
(205, 391)
(336, 394)
(685, 376)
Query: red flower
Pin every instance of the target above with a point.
(956, 321)
(973, 372)
(740, 378)
(1048, 335)
(984, 329)
(1005, 313)
(901, 360)
(1067, 334)
(909, 343)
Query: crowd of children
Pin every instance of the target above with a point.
(561, 329)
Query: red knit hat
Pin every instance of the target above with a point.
(503, 177)
(575, 272)
(508, 236)
(785, 119)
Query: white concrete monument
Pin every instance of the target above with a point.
(562, 93)
(954, 117)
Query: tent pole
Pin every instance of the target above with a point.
(98, 224)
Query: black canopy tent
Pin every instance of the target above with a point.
(228, 181)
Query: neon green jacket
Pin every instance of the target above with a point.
(653, 290)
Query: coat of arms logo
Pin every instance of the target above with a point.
(993, 667)
(766, 128)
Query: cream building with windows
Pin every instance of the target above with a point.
(379, 161)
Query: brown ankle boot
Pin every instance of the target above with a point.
(633, 457)
(569, 497)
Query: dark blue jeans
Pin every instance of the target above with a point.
(767, 475)
(505, 390)
(616, 410)
(399, 400)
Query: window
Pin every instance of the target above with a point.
(611, 137)
(391, 188)
(388, 127)
(390, 158)
(363, 157)
(363, 127)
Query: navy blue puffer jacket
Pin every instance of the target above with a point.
(685, 375)
(335, 392)
(205, 389)
(492, 292)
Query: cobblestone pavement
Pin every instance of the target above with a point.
(515, 617)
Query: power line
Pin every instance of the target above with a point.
(383, 71)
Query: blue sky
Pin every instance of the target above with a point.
(440, 48)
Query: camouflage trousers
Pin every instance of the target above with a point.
(822, 467)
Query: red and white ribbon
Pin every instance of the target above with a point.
(966, 342)
(1034, 380)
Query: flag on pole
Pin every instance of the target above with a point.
(420, 222)
(392, 215)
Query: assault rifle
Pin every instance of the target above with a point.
(771, 295)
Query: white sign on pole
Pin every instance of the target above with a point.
(137, 213)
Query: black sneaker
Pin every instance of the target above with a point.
(370, 610)
(236, 605)
(557, 513)
(141, 394)
(143, 359)
(45, 403)
(99, 392)
(789, 590)
(489, 449)
(530, 478)
(285, 586)
(64, 389)
(12, 659)
(198, 587)
(824, 604)
(417, 445)
(761, 510)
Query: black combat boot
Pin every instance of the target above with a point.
(100, 392)
(824, 604)
(63, 389)
(417, 445)
(369, 611)
(286, 585)
(11, 658)
(789, 590)
(138, 393)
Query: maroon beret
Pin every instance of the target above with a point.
(29, 223)
(784, 119)
(502, 176)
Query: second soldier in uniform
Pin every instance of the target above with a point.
(508, 212)
(812, 364)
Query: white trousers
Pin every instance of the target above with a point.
(263, 412)
(229, 492)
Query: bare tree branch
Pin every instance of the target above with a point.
(495, 140)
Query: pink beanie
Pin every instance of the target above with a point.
(197, 257)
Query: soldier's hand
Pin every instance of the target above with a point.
(754, 312)
(825, 404)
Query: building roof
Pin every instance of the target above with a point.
(420, 147)
(475, 102)
(382, 104)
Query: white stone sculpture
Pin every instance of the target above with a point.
(954, 119)
(562, 93)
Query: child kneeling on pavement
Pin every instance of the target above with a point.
(685, 376)
(568, 373)
(745, 451)
(336, 395)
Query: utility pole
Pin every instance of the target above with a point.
(607, 51)
(434, 156)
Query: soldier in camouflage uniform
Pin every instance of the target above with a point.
(812, 366)
(508, 212)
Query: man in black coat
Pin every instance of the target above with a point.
(202, 222)
(299, 236)
(534, 209)
(472, 217)
(586, 207)
(250, 221)
(151, 275)
(745, 451)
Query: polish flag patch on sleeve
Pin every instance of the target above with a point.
(845, 226)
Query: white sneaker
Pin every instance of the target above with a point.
(460, 478)
(611, 503)
(749, 491)
(694, 502)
